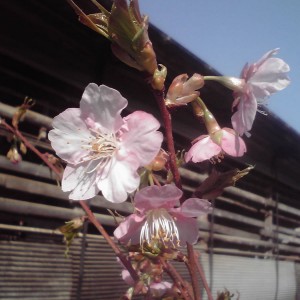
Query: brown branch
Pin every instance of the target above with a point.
(167, 121)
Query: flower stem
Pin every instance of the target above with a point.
(89, 213)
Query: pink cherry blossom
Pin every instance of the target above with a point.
(259, 81)
(103, 150)
(213, 145)
(160, 219)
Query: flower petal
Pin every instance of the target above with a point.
(140, 136)
(69, 135)
(187, 228)
(102, 105)
(121, 179)
(232, 144)
(204, 149)
(194, 207)
(242, 120)
(270, 78)
(80, 181)
(129, 230)
(151, 197)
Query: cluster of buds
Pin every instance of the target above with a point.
(126, 29)
(14, 153)
(151, 283)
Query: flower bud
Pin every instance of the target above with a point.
(13, 155)
(183, 90)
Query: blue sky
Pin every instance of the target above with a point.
(228, 33)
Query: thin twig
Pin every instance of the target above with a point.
(193, 271)
(202, 275)
(31, 147)
(115, 248)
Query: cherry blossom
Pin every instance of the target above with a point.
(159, 220)
(261, 79)
(258, 81)
(215, 145)
(103, 150)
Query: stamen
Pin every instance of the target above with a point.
(159, 229)
(102, 147)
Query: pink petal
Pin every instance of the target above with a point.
(129, 230)
(265, 57)
(121, 179)
(242, 120)
(188, 229)
(270, 78)
(69, 135)
(194, 207)
(141, 137)
(232, 144)
(204, 149)
(151, 197)
(80, 182)
(192, 84)
(186, 99)
(176, 87)
(103, 105)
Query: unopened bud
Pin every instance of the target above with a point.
(184, 90)
(13, 155)
(42, 133)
